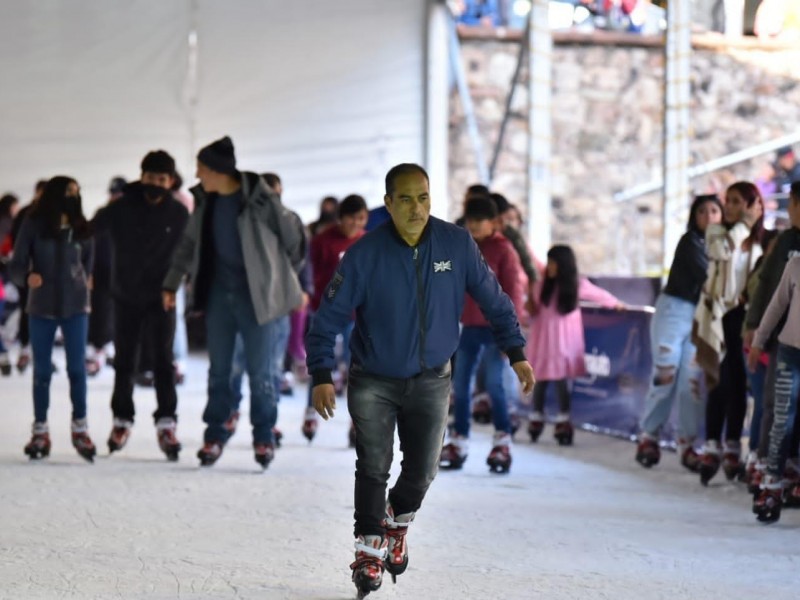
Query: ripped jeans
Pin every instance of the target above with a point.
(675, 373)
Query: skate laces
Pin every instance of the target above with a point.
(80, 426)
(366, 551)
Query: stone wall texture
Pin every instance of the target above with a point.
(607, 127)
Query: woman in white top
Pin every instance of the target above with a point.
(733, 250)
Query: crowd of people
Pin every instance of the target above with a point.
(276, 295)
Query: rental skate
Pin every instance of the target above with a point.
(499, 459)
(264, 454)
(309, 428)
(482, 408)
(709, 462)
(731, 462)
(81, 440)
(5, 364)
(278, 435)
(232, 422)
(564, 433)
(396, 561)
(120, 433)
(39, 446)
(23, 360)
(453, 455)
(536, 426)
(767, 503)
(209, 453)
(648, 454)
(369, 564)
(169, 444)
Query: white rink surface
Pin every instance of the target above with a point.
(585, 522)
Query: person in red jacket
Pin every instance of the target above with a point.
(477, 340)
(327, 249)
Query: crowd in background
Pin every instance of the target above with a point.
(113, 286)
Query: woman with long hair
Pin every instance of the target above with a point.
(733, 249)
(675, 373)
(53, 257)
(556, 347)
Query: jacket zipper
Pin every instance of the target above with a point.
(420, 308)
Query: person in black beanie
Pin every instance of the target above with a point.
(144, 226)
(243, 250)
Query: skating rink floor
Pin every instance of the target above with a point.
(572, 523)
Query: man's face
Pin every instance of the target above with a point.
(787, 161)
(480, 229)
(410, 204)
(162, 180)
(209, 179)
(352, 225)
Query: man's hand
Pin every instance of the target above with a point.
(752, 359)
(168, 298)
(323, 397)
(524, 373)
(34, 281)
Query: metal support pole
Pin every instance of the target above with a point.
(676, 124)
(540, 51)
(466, 101)
(437, 109)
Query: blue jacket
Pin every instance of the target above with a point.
(408, 302)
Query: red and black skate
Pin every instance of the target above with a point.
(768, 501)
(369, 564)
(499, 459)
(81, 440)
(264, 454)
(564, 433)
(309, 428)
(209, 453)
(648, 454)
(232, 422)
(690, 459)
(396, 561)
(23, 361)
(535, 427)
(277, 434)
(732, 464)
(39, 446)
(482, 408)
(5, 364)
(119, 435)
(167, 440)
(709, 462)
(453, 456)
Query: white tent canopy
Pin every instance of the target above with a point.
(327, 94)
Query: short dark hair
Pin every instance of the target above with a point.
(271, 179)
(158, 161)
(480, 208)
(351, 205)
(477, 188)
(503, 205)
(403, 169)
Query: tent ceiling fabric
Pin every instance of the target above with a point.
(327, 94)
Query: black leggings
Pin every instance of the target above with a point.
(727, 403)
(540, 393)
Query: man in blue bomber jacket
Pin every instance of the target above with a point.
(406, 282)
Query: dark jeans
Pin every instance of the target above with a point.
(132, 324)
(230, 313)
(418, 405)
(727, 403)
(787, 386)
(282, 329)
(43, 333)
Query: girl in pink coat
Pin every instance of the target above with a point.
(556, 346)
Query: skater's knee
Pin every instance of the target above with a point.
(665, 374)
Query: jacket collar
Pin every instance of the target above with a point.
(426, 233)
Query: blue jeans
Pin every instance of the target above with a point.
(282, 330)
(43, 333)
(757, 391)
(474, 342)
(231, 313)
(418, 407)
(675, 373)
(787, 385)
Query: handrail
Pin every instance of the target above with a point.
(712, 165)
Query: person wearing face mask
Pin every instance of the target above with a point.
(144, 226)
(53, 256)
(732, 249)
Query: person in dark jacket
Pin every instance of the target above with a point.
(406, 282)
(53, 257)
(243, 249)
(144, 226)
(671, 339)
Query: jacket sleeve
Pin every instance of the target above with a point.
(342, 296)
(20, 263)
(589, 292)
(287, 226)
(183, 256)
(494, 303)
(777, 306)
(87, 256)
(768, 278)
(102, 220)
(691, 260)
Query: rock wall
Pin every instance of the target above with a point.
(607, 126)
